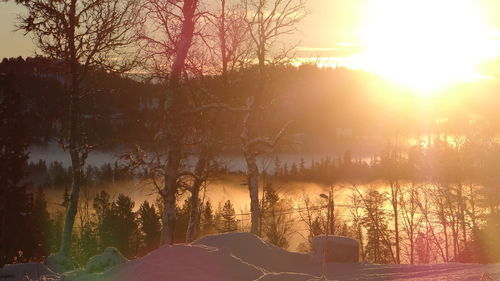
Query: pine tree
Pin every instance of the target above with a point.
(41, 224)
(119, 227)
(228, 217)
(302, 166)
(284, 173)
(277, 167)
(126, 224)
(208, 220)
(150, 226)
(102, 208)
(14, 202)
(276, 225)
(182, 221)
(377, 247)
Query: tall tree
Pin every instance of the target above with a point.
(168, 36)
(81, 35)
(150, 225)
(229, 222)
(228, 49)
(266, 21)
(13, 157)
(120, 226)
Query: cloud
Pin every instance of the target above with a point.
(317, 49)
(341, 49)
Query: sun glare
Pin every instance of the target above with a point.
(425, 45)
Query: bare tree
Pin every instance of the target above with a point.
(375, 220)
(356, 212)
(81, 35)
(266, 21)
(425, 210)
(410, 218)
(168, 36)
(308, 213)
(227, 32)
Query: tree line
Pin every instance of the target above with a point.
(186, 48)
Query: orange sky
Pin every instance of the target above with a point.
(336, 31)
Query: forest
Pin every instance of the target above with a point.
(175, 92)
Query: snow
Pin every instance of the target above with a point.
(59, 263)
(245, 257)
(33, 271)
(180, 263)
(287, 276)
(109, 258)
(256, 251)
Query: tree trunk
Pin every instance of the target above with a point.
(394, 201)
(3, 234)
(76, 167)
(74, 136)
(169, 194)
(253, 187)
(194, 213)
(175, 105)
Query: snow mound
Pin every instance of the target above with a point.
(59, 263)
(180, 263)
(34, 271)
(287, 276)
(253, 250)
(339, 249)
(109, 258)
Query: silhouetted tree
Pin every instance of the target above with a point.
(150, 226)
(228, 220)
(14, 202)
(80, 36)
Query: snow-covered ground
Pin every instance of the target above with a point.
(244, 257)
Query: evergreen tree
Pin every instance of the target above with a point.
(207, 219)
(182, 221)
(56, 231)
(284, 173)
(126, 223)
(41, 225)
(86, 243)
(150, 226)
(119, 227)
(14, 202)
(276, 224)
(102, 208)
(302, 166)
(229, 222)
(277, 167)
(377, 247)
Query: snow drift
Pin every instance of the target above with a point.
(109, 258)
(245, 257)
(252, 249)
(27, 271)
(180, 263)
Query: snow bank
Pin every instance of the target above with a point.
(180, 263)
(34, 271)
(251, 249)
(339, 249)
(109, 258)
(59, 263)
(287, 276)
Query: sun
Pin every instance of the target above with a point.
(424, 44)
